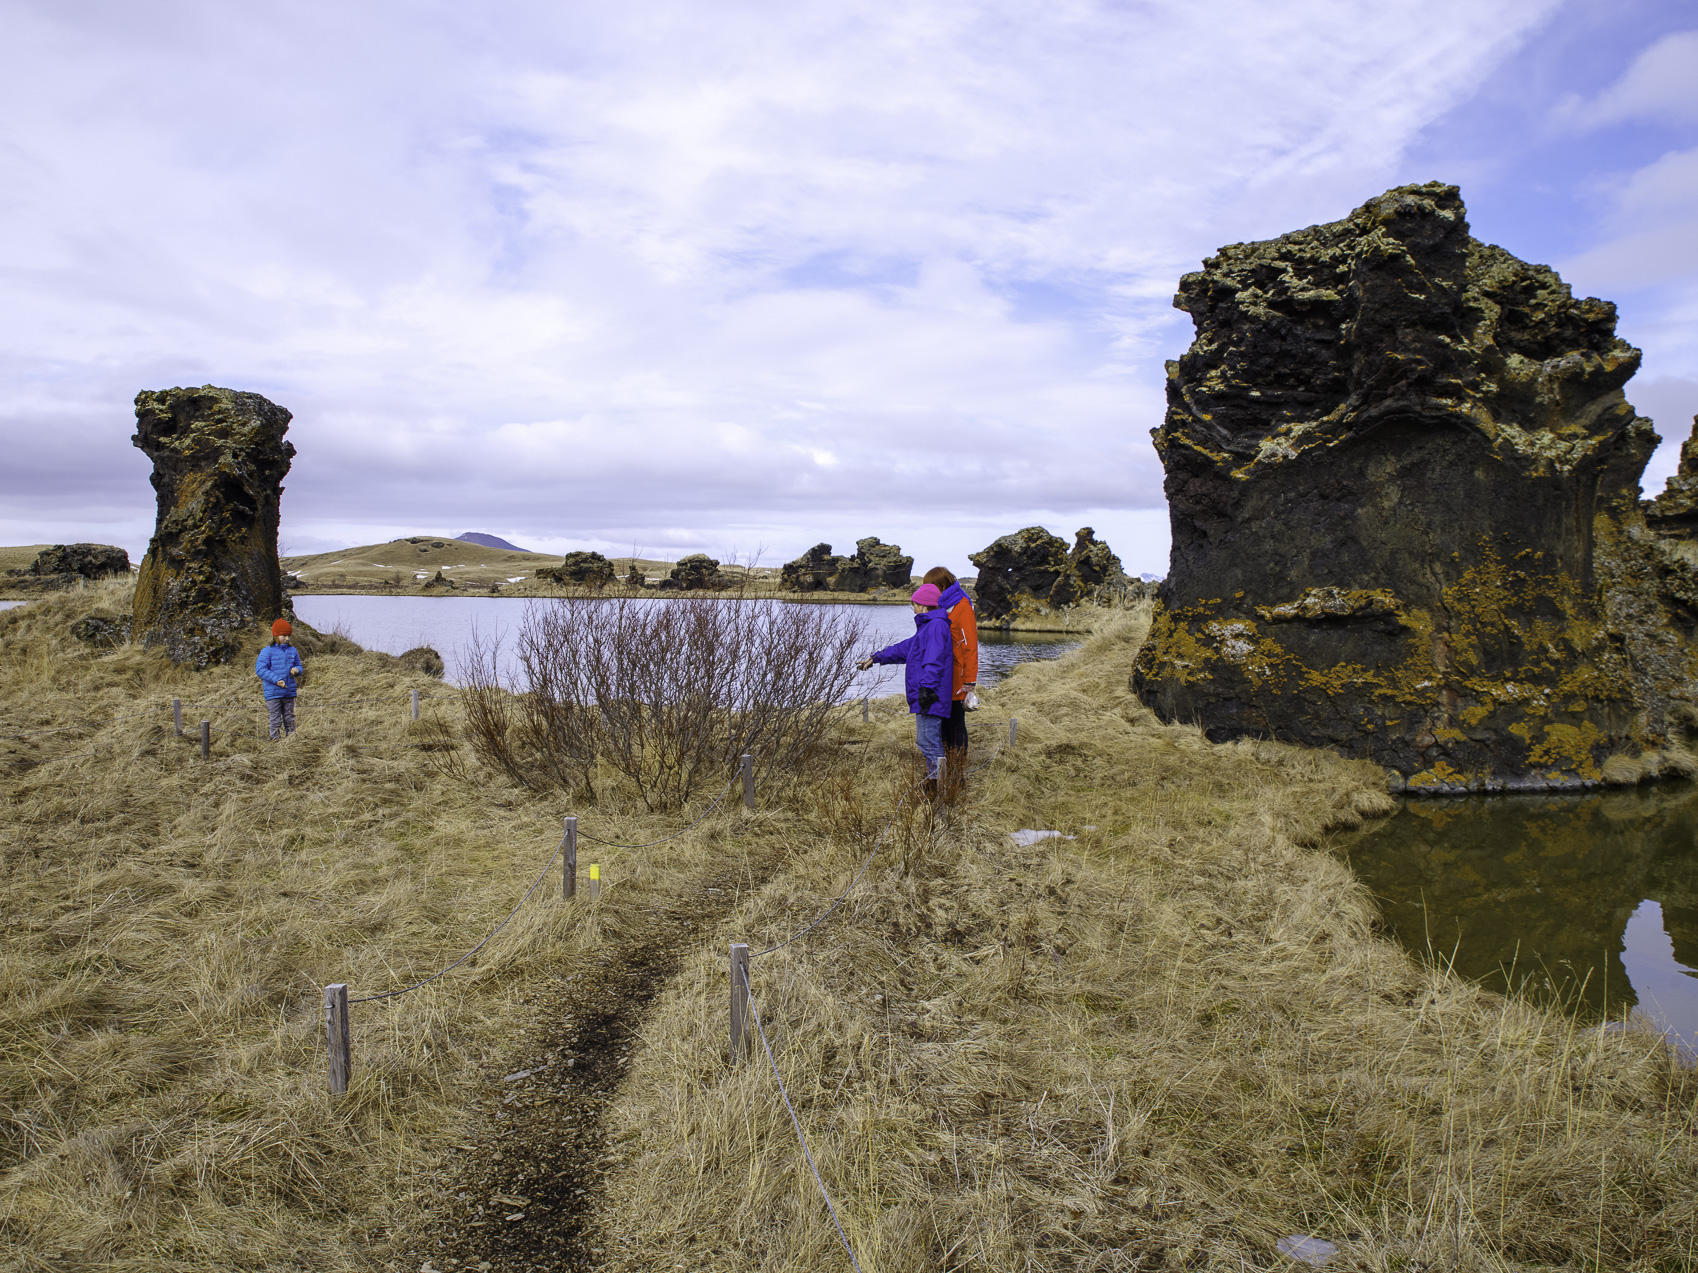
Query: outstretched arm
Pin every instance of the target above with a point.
(897, 653)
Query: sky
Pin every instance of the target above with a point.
(744, 277)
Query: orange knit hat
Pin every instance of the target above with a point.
(281, 628)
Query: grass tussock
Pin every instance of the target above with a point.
(1168, 1043)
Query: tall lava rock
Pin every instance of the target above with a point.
(1403, 484)
(211, 568)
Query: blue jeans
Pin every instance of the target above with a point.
(928, 733)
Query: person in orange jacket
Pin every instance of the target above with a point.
(964, 640)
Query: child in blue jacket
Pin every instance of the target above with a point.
(930, 675)
(277, 667)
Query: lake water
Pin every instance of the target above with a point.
(1591, 900)
(448, 624)
(7, 605)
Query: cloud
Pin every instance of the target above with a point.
(595, 274)
(1661, 84)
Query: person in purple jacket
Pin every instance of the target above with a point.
(930, 676)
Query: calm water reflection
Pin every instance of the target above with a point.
(1590, 899)
(448, 624)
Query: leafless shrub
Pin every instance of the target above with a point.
(662, 695)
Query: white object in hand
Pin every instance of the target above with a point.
(971, 701)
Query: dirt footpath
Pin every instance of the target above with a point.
(524, 1191)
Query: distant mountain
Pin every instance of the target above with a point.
(490, 541)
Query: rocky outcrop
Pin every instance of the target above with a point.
(580, 570)
(89, 561)
(874, 565)
(66, 565)
(1673, 515)
(1032, 572)
(211, 569)
(102, 631)
(634, 577)
(1403, 484)
(696, 573)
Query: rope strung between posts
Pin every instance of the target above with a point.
(841, 897)
(303, 701)
(797, 1124)
(390, 994)
(609, 844)
(92, 724)
(877, 845)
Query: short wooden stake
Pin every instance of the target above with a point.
(336, 1032)
(739, 999)
(205, 739)
(569, 862)
(595, 880)
(1012, 722)
(415, 704)
(747, 764)
(865, 699)
(177, 715)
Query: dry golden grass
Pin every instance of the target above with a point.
(1167, 1044)
(412, 560)
(19, 556)
(170, 924)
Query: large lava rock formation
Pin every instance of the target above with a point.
(1403, 483)
(1031, 573)
(211, 568)
(874, 565)
(580, 570)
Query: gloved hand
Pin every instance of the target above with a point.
(927, 697)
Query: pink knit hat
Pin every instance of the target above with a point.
(926, 595)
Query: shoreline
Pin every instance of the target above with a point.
(1086, 623)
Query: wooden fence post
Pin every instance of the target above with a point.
(177, 715)
(205, 739)
(595, 880)
(415, 704)
(865, 698)
(739, 999)
(747, 765)
(1012, 722)
(336, 1033)
(569, 862)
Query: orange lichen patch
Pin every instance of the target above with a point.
(1570, 748)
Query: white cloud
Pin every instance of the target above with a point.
(1661, 84)
(597, 274)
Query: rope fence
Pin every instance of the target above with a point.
(338, 1035)
(744, 1008)
(795, 1122)
(176, 706)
